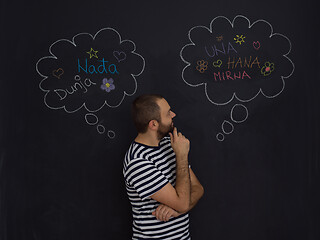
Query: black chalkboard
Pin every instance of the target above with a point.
(242, 77)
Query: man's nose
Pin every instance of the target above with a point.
(173, 114)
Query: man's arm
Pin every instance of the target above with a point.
(177, 198)
(196, 190)
(164, 213)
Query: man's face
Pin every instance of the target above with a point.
(166, 123)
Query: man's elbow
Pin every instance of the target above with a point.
(201, 191)
(183, 207)
(198, 190)
(183, 204)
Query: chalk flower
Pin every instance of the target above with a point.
(107, 85)
(202, 66)
(267, 69)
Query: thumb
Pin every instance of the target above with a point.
(154, 213)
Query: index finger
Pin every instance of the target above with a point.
(175, 132)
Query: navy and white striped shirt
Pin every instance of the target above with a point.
(146, 170)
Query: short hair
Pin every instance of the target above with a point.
(144, 109)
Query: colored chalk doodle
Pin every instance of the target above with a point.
(239, 39)
(202, 66)
(256, 45)
(93, 53)
(120, 56)
(267, 69)
(107, 84)
(244, 60)
(58, 73)
(219, 39)
(217, 63)
(89, 72)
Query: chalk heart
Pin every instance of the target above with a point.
(58, 73)
(120, 56)
(256, 45)
(217, 63)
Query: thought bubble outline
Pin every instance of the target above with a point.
(84, 104)
(234, 95)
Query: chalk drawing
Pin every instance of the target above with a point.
(85, 72)
(239, 66)
(221, 49)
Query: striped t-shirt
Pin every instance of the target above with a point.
(146, 170)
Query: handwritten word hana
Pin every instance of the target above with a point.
(102, 68)
(242, 62)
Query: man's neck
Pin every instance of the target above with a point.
(148, 139)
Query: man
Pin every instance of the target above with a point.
(160, 185)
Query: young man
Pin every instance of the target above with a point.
(160, 185)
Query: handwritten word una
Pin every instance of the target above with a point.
(214, 51)
(104, 67)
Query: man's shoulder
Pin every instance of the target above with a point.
(128, 153)
(135, 153)
(138, 151)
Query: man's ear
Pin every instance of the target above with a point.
(153, 125)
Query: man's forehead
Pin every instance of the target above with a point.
(163, 104)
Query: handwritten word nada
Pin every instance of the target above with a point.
(78, 85)
(104, 67)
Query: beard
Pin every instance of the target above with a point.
(163, 130)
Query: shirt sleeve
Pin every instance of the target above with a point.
(145, 177)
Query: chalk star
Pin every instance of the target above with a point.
(220, 38)
(93, 53)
